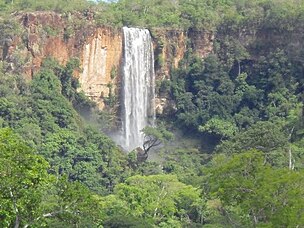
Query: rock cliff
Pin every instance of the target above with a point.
(101, 58)
(45, 36)
(99, 49)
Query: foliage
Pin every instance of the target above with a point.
(206, 97)
(126, 221)
(269, 196)
(23, 173)
(32, 197)
(59, 6)
(247, 96)
(182, 14)
(43, 114)
(185, 163)
(264, 136)
(155, 137)
(69, 204)
(219, 127)
(157, 198)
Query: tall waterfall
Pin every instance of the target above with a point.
(138, 85)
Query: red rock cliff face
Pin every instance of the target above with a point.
(48, 34)
(45, 36)
(101, 57)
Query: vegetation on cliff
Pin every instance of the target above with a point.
(236, 161)
(180, 14)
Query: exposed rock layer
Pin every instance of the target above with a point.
(48, 34)
(101, 57)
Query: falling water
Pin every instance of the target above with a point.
(138, 86)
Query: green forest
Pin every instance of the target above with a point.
(232, 152)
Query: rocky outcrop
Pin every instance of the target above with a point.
(47, 34)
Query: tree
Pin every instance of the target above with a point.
(222, 128)
(155, 198)
(183, 160)
(153, 137)
(29, 196)
(123, 221)
(68, 204)
(265, 136)
(90, 157)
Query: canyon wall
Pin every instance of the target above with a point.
(44, 35)
(99, 49)
(101, 61)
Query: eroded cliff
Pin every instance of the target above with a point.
(99, 49)
(101, 58)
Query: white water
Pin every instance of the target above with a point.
(138, 86)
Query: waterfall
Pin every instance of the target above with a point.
(138, 86)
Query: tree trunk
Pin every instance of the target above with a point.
(291, 160)
(17, 220)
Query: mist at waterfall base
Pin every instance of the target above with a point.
(138, 85)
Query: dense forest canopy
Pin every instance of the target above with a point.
(237, 158)
(173, 13)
